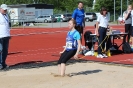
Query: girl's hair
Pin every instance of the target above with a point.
(103, 9)
(73, 21)
(129, 6)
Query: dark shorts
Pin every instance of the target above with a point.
(79, 29)
(66, 56)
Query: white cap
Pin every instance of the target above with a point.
(4, 7)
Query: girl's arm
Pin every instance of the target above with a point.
(97, 27)
(126, 14)
(63, 50)
(78, 49)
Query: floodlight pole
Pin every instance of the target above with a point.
(114, 10)
(38, 1)
(121, 7)
(34, 2)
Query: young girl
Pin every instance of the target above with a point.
(72, 48)
(101, 29)
(128, 23)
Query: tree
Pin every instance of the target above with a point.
(109, 4)
(63, 5)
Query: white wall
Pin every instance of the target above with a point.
(13, 13)
(16, 14)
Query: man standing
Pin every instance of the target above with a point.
(78, 15)
(4, 35)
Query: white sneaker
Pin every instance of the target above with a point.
(85, 51)
(89, 53)
(100, 56)
(105, 55)
(92, 53)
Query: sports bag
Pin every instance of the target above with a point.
(126, 48)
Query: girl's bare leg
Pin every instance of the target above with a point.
(63, 68)
(59, 68)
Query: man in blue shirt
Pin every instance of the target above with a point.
(78, 15)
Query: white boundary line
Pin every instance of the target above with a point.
(131, 60)
(56, 50)
(37, 33)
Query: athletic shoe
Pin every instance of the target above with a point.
(85, 51)
(5, 66)
(105, 55)
(100, 56)
(89, 53)
(92, 53)
(1, 67)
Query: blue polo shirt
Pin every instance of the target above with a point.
(78, 15)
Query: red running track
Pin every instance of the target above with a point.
(44, 44)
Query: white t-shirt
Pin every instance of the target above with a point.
(4, 26)
(132, 16)
(103, 21)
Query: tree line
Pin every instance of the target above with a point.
(60, 5)
(70, 5)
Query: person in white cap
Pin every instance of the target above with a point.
(4, 35)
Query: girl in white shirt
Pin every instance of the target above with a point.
(101, 29)
(128, 21)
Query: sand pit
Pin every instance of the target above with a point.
(84, 75)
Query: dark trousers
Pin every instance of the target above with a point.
(102, 35)
(4, 43)
(128, 29)
(79, 29)
(108, 43)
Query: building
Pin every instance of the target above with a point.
(28, 12)
(40, 9)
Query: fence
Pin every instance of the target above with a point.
(22, 23)
(15, 23)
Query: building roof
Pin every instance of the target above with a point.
(37, 6)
